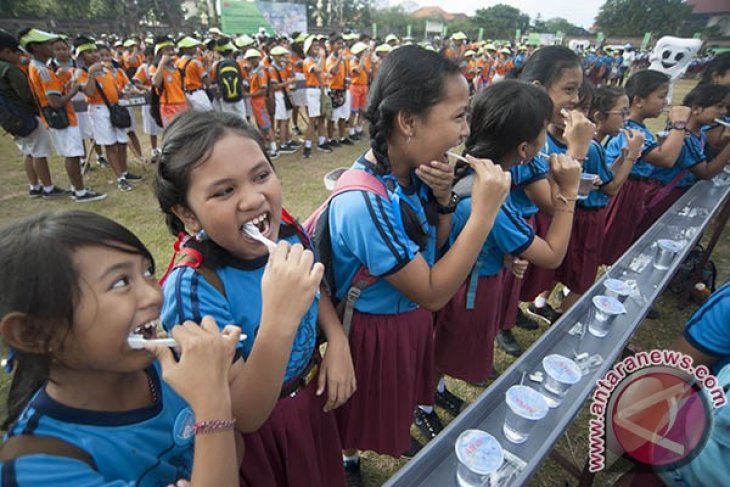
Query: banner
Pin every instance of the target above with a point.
(434, 27)
(408, 30)
(480, 37)
(518, 36)
(375, 30)
(645, 41)
(599, 38)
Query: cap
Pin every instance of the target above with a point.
(469, 53)
(505, 51)
(36, 36)
(391, 37)
(308, 44)
(459, 36)
(89, 46)
(490, 47)
(118, 44)
(243, 41)
(252, 53)
(358, 47)
(215, 31)
(130, 43)
(187, 42)
(384, 48)
(227, 47)
(349, 37)
(301, 37)
(278, 51)
(165, 42)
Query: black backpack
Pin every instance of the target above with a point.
(230, 81)
(691, 267)
(14, 120)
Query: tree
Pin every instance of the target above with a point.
(501, 21)
(556, 24)
(634, 17)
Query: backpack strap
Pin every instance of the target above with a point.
(346, 308)
(471, 293)
(193, 259)
(23, 445)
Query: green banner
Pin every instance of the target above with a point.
(446, 31)
(480, 37)
(375, 30)
(645, 41)
(599, 38)
(518, 35)
(408, 30)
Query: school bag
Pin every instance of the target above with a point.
(230, 81)
(462, 189)
(691, 267)
(14, 120)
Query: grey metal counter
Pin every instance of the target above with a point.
(436, 464)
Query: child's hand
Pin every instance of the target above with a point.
(439, 176)
(336, 374)
(578, 131)
(679, 114)
(565, 171)
(289, 283)
(95, 68)
(517, 266)
(634, 142)
(201, 375)
(164, 59)
(490, 187)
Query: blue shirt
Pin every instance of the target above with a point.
(368, 230)
(188, 296)
(510, 234)
(615, 144)
(692, 153)
(595, 163)
(523, 175)
(708, 330)
(145, 447)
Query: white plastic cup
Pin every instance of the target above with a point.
(586, 185)
(665, 251)
(480, 457)
(616, 288)
(525, 407)
(560, 374)
(605, 309)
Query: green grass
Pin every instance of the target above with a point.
(303, 191)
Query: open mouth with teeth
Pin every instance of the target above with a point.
(147, 330)
(262, 223)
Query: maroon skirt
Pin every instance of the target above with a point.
(537, 279)
(297, 446)
(624, 215)
(511, 288)
(652, 213)
(583, 257)
(464, 343)
(394, 368)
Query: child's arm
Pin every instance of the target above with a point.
(540, 193)
(439, 177)
(160, 72)
(708, 170)
(667, 153)
(621, 167)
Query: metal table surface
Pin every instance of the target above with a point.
(685, 221)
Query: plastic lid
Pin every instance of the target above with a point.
(609, 305)
(617, 286)
(479, 451)
(669, 245)
(562, 369)
(526, 402)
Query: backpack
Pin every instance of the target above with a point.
(230, 81)
(14, 120)
(690, 268)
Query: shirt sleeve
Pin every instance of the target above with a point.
(51, 84)
(614, 146)
(199, 68)
(34, 470)
(366, 225)
(511, 232)
(596, 163)
(708, 330)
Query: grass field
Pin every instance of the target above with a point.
(303, 191)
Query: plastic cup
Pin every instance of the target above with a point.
(616, 288)
(586, 185)
(605, 309)
(560, 374)
(480, 456)
(525, 407)
(666, 250)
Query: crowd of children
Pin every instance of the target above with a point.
(422, 262)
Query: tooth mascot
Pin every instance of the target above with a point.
(672, 56)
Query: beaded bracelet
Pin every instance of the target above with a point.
(213, 426)
(564, 199)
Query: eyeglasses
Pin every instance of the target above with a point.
(624, 113)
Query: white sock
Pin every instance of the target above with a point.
(441, 386)
(35, 187)
(48, 189)
(351, 458)
(80, 193)
(426, 409)
(321, 140)
(540, 302)
(308, 144)
(351, 131)
(273, 147)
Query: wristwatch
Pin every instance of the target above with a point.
(451, 207)
(678, 126)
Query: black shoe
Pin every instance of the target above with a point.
(429, 423)
(273, 155)
(307, 153)
(56, 192)
(297, 131)
(346, 141)
(546, 314)
(506, 341)
(101, 161)
(287, 149)
(451, 403)
(89, 196)
(524, 321)
(355, 137)
(333, 143)
(132, 178)
(35, 193)
(352, 474)
(416, 446)
(123, 185)
(295, 143)
(324, 147)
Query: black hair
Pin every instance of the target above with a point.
(334, 37)
(718, 66)
(604, 99)
(298, 49)
(40, 281)
(503, 116)
(644, 83)
(547, 64)
(186, 144)
(706, 95)
(585, 96)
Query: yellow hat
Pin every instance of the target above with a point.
(243, 41)
(490, 47)
(36, 36)
(165, 43)
(301, 37)
(228, 46)
(215, 30)
(459, 36)
(130, 43)
(278, 51)
(522, 47)
(308, 44)
(252, 53)
(391, 37)
(89, 46)
(187, 42)
(505, 51)
(480, 51)
(349, 37)
(469, 52)
(358, 47)
(384, 48)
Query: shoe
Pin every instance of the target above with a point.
(132, 178)
(101, 161)
(307, 153)
(296, 130)
(295, 143)
(287, 149)
(155, 157)
(506, 341)
(546, 314)
(333, 143)
(324, 147)
(56, 192)
(451, 403)
(355, 137)
(416, 446)
(353, 474)
(346, 141)
(89, 196)
(429, 423)
(35, 193)
(273, 155)
(524, 321)
(123, 185)
(653, 314)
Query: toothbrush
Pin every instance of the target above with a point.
(457, 157)
(137, 342)
(722, 122)
(564, 112)
(253, 232)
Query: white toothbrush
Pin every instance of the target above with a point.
(253, 232)
(137, 341)
(457, 157)
(722, 122)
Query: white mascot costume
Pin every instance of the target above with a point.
(672, 56)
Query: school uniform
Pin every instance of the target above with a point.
(298, 94)
(708, 330)
(578, 270)
(194, 72)
(626, 208)
(172, 100)
(65, 72)
(123, 82)
(147, 447)
(236, 108)
(337, 84)
(280, 74)
(258, 79)
(314, 89)
(149, 126)
(391, 337)
(298, 444)
(358, 85)
(101, 126)
(467, 325)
